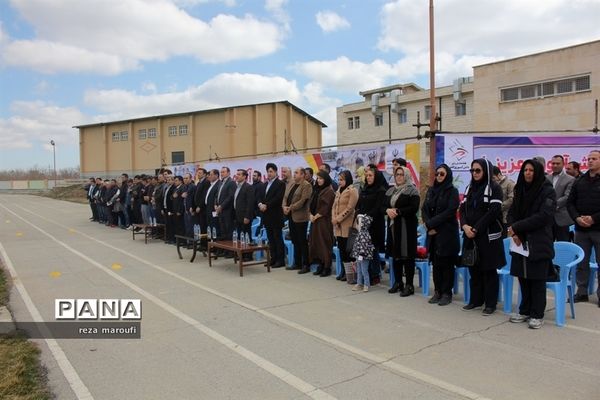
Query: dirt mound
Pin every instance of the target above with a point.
(75, 193)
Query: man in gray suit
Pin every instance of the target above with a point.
(562, 183)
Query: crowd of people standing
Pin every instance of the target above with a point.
(366, 217)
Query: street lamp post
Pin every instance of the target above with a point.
(53, 143)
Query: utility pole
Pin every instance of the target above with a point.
(433, 115)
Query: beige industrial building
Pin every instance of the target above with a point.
(552, 91)
(142, 145)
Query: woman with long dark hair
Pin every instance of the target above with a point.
(342, 217)
(530, 220)
(401, 206)
(370, 202)
(321, 231)
(443, 244)
(480, 219)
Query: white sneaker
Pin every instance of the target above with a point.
(535, 323)
(517, 318)
(357, 287)
(365, 289)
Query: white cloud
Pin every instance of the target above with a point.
(112, 36)
(277, 9)
(329, 21)
(346, 75)
(220, 91)
(473, 30)
(35, 123)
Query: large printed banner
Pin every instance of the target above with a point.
(509, 152)
(339, 160)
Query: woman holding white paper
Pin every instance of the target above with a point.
(530, 220)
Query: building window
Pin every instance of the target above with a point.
(142, 134)
(172, 131)
(124, 136)
(356, 122)
(152, 133)
(460, 109)
(403, 116)
(182, 130)
(379, 120)
(177, 157)
(546, 89)
(427, 113)
(350, 123)
(116, 136)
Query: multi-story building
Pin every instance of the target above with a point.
(142, 145)
(552, 91)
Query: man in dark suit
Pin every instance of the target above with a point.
(224, 204)
(243, 204)
(167, 207)
(178, 206)
(212, 222)
(562, 183)
(200, 200)
(91, 189)
(259, 189)
(272, 213)
(188, 195)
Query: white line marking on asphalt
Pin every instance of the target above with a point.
(403, 370)
(284, 375)
(77, 385)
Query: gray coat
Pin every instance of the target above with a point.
(562, 188)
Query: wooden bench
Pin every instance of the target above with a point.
(148, 230)
(196, 242)
(239, 250)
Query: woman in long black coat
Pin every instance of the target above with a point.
(401, 206)
(480, 219)
(530, 221)
(443, 244)
(370, 202)
(320, 244)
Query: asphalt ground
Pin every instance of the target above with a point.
(208, 333)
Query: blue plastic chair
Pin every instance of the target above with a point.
(462, 272)
(593, 273)
(422, 268)
(505, 291)
(338, 260)
(566, 255)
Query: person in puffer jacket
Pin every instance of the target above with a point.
(362, 251)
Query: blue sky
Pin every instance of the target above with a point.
(70, 62)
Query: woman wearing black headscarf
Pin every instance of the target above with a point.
(401, 206)
(370, 202)
(480, 219)
(530, 221)
(342, 218)
(439, 217)
(321, 231)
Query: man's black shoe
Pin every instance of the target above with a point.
(304, 270)
(278, 265)
(580, 298)
(470, 307)
(292, 267)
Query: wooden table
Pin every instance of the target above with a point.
(147, 230)
(240, 249)
(196, 242)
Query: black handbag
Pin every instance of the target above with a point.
(352, 234)
(469, 255)
(351, 239)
